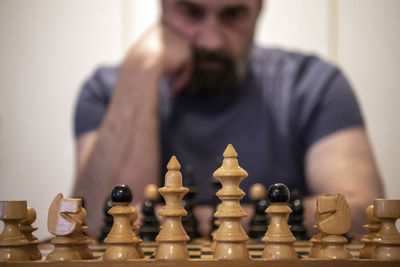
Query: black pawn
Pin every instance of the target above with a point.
(189, 222)
(150, 227)
(259, 222)
(296, 218)
(278, 193)
(121, 194)
(108, 220)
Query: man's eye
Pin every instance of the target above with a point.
(234, 13)
(191, 12)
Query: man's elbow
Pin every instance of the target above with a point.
(358, 203)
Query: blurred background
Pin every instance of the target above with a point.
(48, 48)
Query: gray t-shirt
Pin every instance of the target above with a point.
(287, 102)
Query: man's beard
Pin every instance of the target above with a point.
(224, 74)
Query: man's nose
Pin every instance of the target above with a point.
(210, 35)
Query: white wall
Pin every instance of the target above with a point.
(48, 48)
(296, 24)
(368, 49)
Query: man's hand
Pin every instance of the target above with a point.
(125, 148)
(166, 51)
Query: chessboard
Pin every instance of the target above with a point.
(201, 254)
(67, 216)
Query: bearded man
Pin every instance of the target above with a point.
(195, 83)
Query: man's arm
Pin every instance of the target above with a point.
(343, 162)
(125, 149)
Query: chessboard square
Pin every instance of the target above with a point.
(302, 253)
(195, 256)
(206, 250)
(352, 247)
(256, 247)
(97, 256)
(193, 247)
(148, 245)
(302, 249)
(207, 256)
(148, 249)
(194, 252)
(255, 254)
(305, 244)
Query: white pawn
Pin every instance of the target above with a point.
(388, 238)
(12, 242)
(316, 241)
(373, 227)
(27, 230)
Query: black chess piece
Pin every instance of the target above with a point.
(259, 223)
(296, 218)
(278, 193)
(108, 220)
(189, 222)
(121, 194)
(150, 227)
(279, 240)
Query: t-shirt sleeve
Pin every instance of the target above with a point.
(93, 101)
(332, 107)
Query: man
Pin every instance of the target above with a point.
(195, 83)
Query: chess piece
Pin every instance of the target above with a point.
(189, 221)
(27, 229)
(64, 226)
(230, 237)
(215, 203)
(333, 218)
(387, 240)
(108, 220)
(316, 241)
(172, 237)
(12, 242)
(279, 239)
(82, 241)
(373, 227)
(296, 217)
(217, 223)
(122, 243)
(214, 199)
(258, 224)
(132, 220)
(150, 225)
